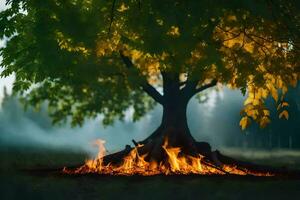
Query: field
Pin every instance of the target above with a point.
(20, 180)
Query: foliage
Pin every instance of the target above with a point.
(87, 57)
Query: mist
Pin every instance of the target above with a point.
(33, 129)
(215, 120)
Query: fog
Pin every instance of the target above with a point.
(34, 129)
(215, 120)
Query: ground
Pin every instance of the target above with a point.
(17, 183)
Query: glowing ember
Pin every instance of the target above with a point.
(135, 164)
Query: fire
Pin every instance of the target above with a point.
(176, 163)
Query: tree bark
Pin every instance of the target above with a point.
(173, 125)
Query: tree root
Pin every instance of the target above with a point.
(213, 159)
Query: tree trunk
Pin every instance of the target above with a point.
(174, 130)
(173, 126)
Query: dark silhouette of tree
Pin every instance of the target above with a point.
(88, 57)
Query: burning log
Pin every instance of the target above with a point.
(135, 143)
(149, 159)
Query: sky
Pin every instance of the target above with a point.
(7, 81)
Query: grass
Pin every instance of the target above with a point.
(282, 158)
(17, 183)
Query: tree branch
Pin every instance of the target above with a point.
(148, 88)
(182, 83)
(190, 90)
(206, 86)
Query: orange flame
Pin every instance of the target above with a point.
(135, 164)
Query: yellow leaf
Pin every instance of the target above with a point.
(173, 31)
(274, 94)
(283, 104)
(231, 18)
(123, 8)
(248, 100)
(279, 106)
(245, 121)
(264, 122)
(251, 95)
(284, 114)
(266, 112)
(256, 102)
(265, 93)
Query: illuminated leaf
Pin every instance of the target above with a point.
(244, 122)
(284, 114)
(264, 122)
(266, 112)
(274, 94)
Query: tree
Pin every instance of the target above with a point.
(88, 57)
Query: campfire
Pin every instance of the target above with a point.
(175, 163)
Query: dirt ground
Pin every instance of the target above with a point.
(19, 181)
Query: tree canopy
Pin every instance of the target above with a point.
(86, 57)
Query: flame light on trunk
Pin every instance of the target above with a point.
(176, 163)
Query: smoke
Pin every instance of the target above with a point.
(215, 121)
(21, 128)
